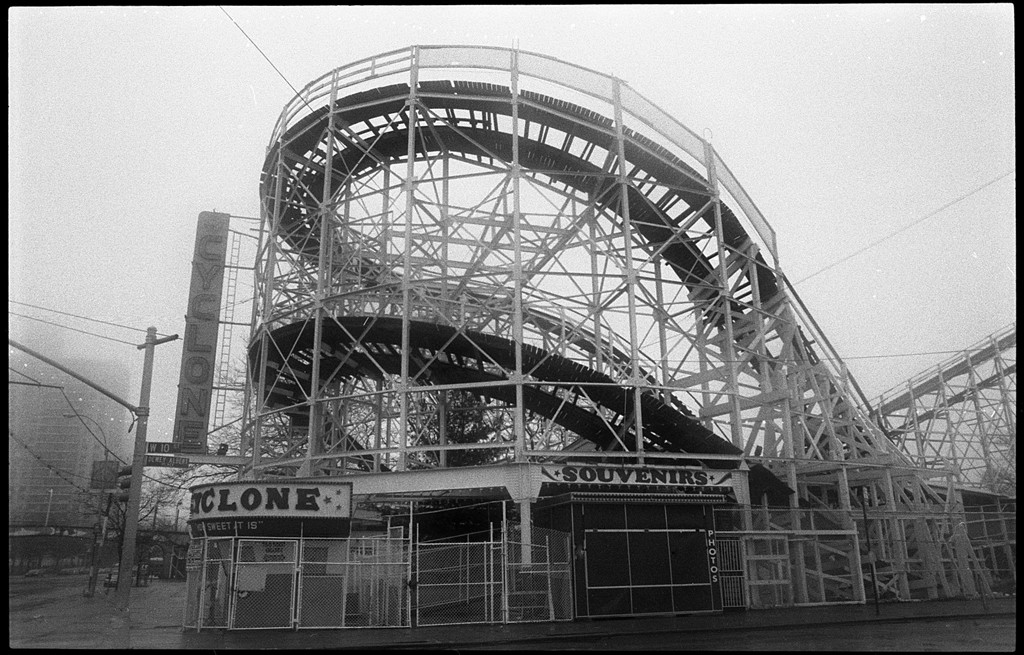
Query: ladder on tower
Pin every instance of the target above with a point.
(225, 382)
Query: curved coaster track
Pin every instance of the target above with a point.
(444, 223)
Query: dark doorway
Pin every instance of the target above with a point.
(636, 559)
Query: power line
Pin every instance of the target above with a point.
(67, 327)
(908, 226)
(103, 443)
(53, 469)
(14, 370)
(265, 57)
(84, 318)
(34, 384)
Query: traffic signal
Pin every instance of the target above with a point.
(124, 481)
(104, 475)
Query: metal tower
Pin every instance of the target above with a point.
(484, 235)
(961, 415)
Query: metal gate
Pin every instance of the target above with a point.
(360, 582)
(494, 581)
(638, 559)
(731, 572)
(459, 583)
(215, 584)
(260, 584)
(264, 589)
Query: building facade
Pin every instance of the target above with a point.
(57, 427)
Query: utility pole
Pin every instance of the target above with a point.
(124, 578)
(97, 549)
(131, 524)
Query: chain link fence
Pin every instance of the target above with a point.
(251, 584)
(539, 580)
(458, 583)
(360, 582)
(797, 556)
(215, 584)
(264, 584)
(194, 583)
(495, 581)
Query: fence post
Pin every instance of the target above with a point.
(504, 564)
(297, 577)
(411, 582)
(348, 569)
(489, 574)
(547, 561)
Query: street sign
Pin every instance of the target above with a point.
(167, 460)
(162, 447)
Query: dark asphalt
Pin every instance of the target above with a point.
(51, 613)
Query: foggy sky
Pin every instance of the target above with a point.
(844, 124)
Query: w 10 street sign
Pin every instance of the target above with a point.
(167, 460)
(162, 453)
(162, 447)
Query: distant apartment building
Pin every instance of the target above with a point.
(57, 427)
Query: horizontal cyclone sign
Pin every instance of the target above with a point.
(312, 499)
(647, 476)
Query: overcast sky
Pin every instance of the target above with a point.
(844, 123)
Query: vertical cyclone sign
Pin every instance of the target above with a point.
(195, 387)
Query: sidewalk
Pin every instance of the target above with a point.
(60, 617)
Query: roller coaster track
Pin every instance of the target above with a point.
(471, 129)
(589, 267)
(370, 347)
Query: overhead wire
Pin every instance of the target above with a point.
(265, 57)
(103, 442)
(909, 225)
(14, 370)
(68, 327)
(84, 318)
(104, 445)
(108, 450)
(53, 469)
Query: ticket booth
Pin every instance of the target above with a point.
(643, 540)
(249, 542)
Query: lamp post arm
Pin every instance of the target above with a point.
(61, 367)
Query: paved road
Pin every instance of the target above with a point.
(50, 612)
(940, 635)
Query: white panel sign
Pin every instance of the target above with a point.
(240, 500)
(195, 387)
(645, 476)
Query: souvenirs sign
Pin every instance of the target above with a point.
(645, 476)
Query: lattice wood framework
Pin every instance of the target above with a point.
(453, 223)
(961, 415)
